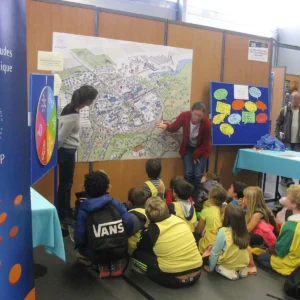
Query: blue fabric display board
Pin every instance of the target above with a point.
(43, 107)
(240, 113)
(16, 276)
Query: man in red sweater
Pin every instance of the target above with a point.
(196, 144)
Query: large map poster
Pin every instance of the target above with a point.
(138, 84)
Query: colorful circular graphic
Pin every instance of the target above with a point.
(45, 125)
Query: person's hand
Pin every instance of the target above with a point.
(196, 161)
(206, 269)
(209, 247)
(161, 125)
(241, 203)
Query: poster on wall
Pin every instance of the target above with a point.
(43, 125)
(137, 85)
(240, 113)
(16, 276)
(258, 51)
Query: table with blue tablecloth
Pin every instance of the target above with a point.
(46, 229)
(285, 164)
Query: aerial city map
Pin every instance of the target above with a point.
(137, 85)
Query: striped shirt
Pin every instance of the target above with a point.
(146, 188)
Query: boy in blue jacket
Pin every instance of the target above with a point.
(96, 186)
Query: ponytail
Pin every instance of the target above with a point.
(83, 96)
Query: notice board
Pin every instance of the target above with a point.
(240, 113)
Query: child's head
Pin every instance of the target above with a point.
(293, 198)
(153, 168)
(235, 218)
(236, 190)
(137, 197)
(217, 195)
(254, 201)
(173, 180)
(156, 210)
(210, 176)
(96, 184)
(183, 190)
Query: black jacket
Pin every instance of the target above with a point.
(284, 124)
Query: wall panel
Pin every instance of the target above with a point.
(238, 69)
(207, 56)
(42, 20)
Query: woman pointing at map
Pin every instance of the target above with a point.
(196, 143)
(68, 142)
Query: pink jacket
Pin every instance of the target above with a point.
(265, 230)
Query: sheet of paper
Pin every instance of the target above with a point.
(57, 84)
(50, 61)
(258, 51)
(241, 92)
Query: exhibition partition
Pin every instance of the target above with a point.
(218, 56)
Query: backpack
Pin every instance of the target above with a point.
(292, 284)
(107, 239)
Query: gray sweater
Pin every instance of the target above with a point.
(68, 131)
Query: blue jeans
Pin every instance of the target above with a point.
(193, 173)
(265, 259)
(66, 162)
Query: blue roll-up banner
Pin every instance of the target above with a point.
(43, 110)
(16, 278)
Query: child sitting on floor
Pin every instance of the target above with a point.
(230, 255)
(137, 198)
(210, 218)
(236, 192)
(208, 181)
(154, 186)
(167, 252)
(170, 197)
(95, 240)
(183, 208)
(285, 256)
(259, 219)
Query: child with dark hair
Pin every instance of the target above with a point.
(96, 186)
(154, 186)
(183, 208)
(210, 218)
(230, 255)
(137, 198)
(236, 192)
(170, 197)
(208, 181)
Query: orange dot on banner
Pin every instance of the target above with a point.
(15, 274)
(18, 200)
(3, 217)
(14, 231)
(0, 239)
(31, 295)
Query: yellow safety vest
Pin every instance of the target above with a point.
(179, 213)
(132, 241)
(233, 258)
(153, 189)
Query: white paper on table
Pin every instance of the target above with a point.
(241, 92)
(295, 158)
(50, 61)
(57, 84)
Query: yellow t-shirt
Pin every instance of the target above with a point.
(212, 217)
(175, 247)
(233, 258)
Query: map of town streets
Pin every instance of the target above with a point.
(138, 84)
